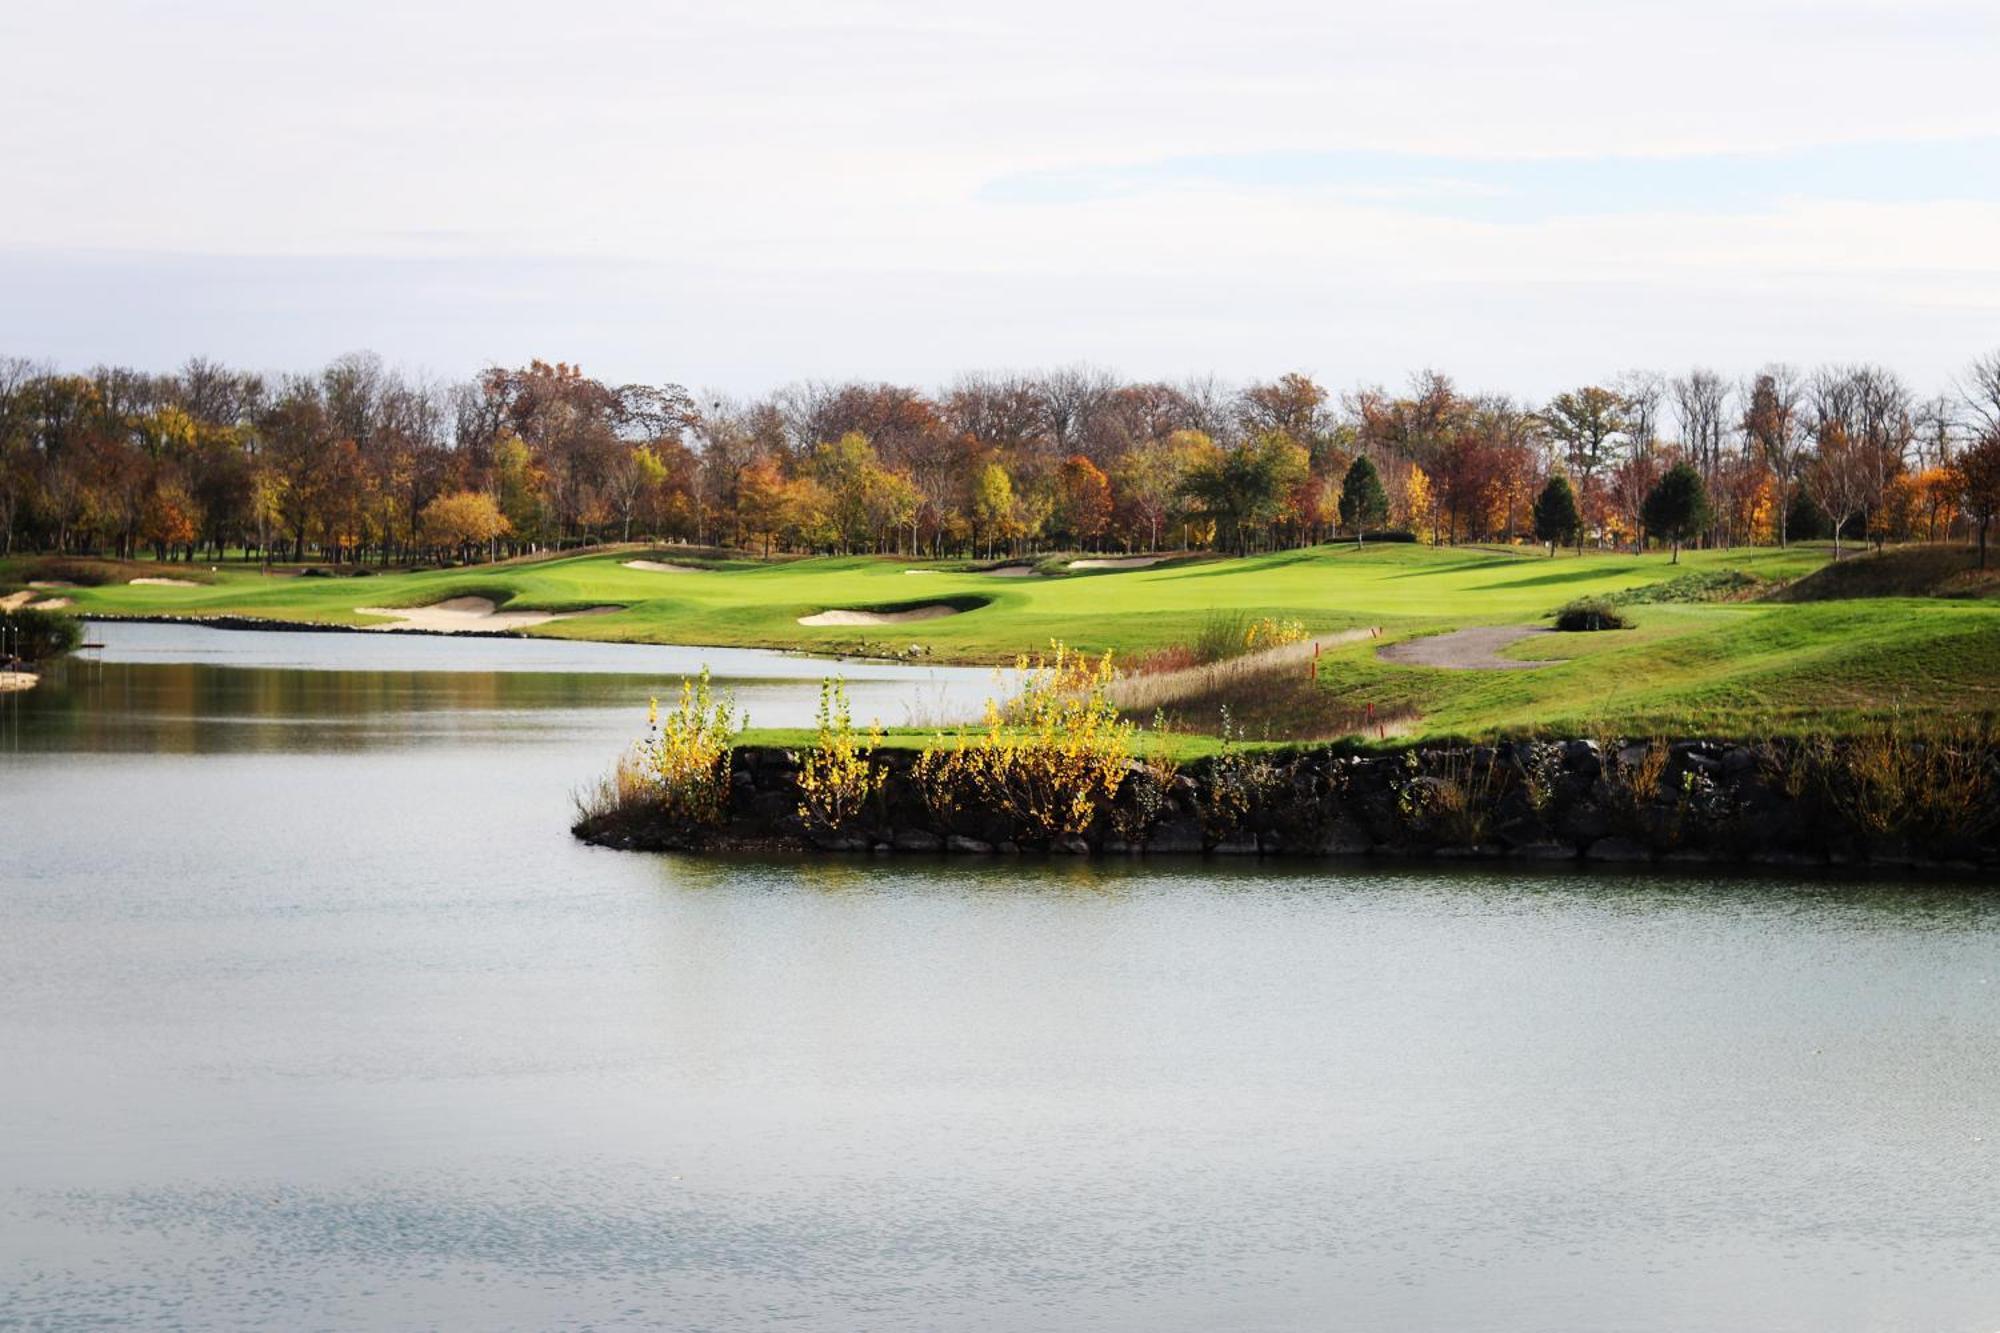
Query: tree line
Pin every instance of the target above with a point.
(361, 462)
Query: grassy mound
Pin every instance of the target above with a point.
(1907, 571)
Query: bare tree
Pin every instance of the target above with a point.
(1644, 392)
(1840, 478)
(1937, 429)
(1981, 391)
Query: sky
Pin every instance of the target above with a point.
(736, 195)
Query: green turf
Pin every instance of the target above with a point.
(1693, 667)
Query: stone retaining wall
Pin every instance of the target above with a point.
(1771, 804)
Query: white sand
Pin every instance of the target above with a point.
(17, 680)
(164, 583)
(1118, 562)
(878, 617)
(25, 601)
(920, 571)
(459, 615)
(49, 583)
(662, 567)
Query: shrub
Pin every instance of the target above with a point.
(1240, 788)
(838, 775)
(1148, 787)
(1272, 633)
(679, 775)
(1447, 797)
(1910, 782)
(38, 636)
(1221, 635)
(1590, 613)
(1048, 763)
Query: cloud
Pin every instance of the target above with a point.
(1538, 189)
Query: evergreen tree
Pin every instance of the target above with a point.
(1677, 507)
(1362, 498)
(1555, 513)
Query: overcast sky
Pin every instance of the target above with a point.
(740, 193)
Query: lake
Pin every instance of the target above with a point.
(312, 1015)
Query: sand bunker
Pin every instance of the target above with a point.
(11, 681)
(1117, 562)
(1012, 571)
(662, 567)
(49, 583)
(1475, 649)
(879, 617)
(25, 601)
(463, 615)
(164, 583)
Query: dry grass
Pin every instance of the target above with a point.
(1272, 694)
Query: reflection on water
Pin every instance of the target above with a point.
(192, 690)
(312, 1015)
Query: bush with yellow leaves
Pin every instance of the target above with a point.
(1272, 633)
(838, 776)
(684, 765)
(1047, 763)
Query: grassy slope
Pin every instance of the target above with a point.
(1699, 667)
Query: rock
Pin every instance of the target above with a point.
(1071, 847)
(917, 840)
(1175, 835)
(968, 846)
(1702, 764)
(1622, 850)
(1545, 851)
(1236, 847)
(1739, 761)
(1347, 838)
(1585, 823)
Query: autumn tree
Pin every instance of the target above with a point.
(464, 521)
(993, 512)
(1083, 500)
(1589, 423)
(1772, 426)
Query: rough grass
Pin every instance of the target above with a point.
(1904, 571)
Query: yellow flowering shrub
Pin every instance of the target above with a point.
(837, 776)
(1048, 762)
(684, 764)
(1270, 633)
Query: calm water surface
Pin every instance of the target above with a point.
(313, 1016)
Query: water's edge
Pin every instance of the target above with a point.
(1693, 801)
